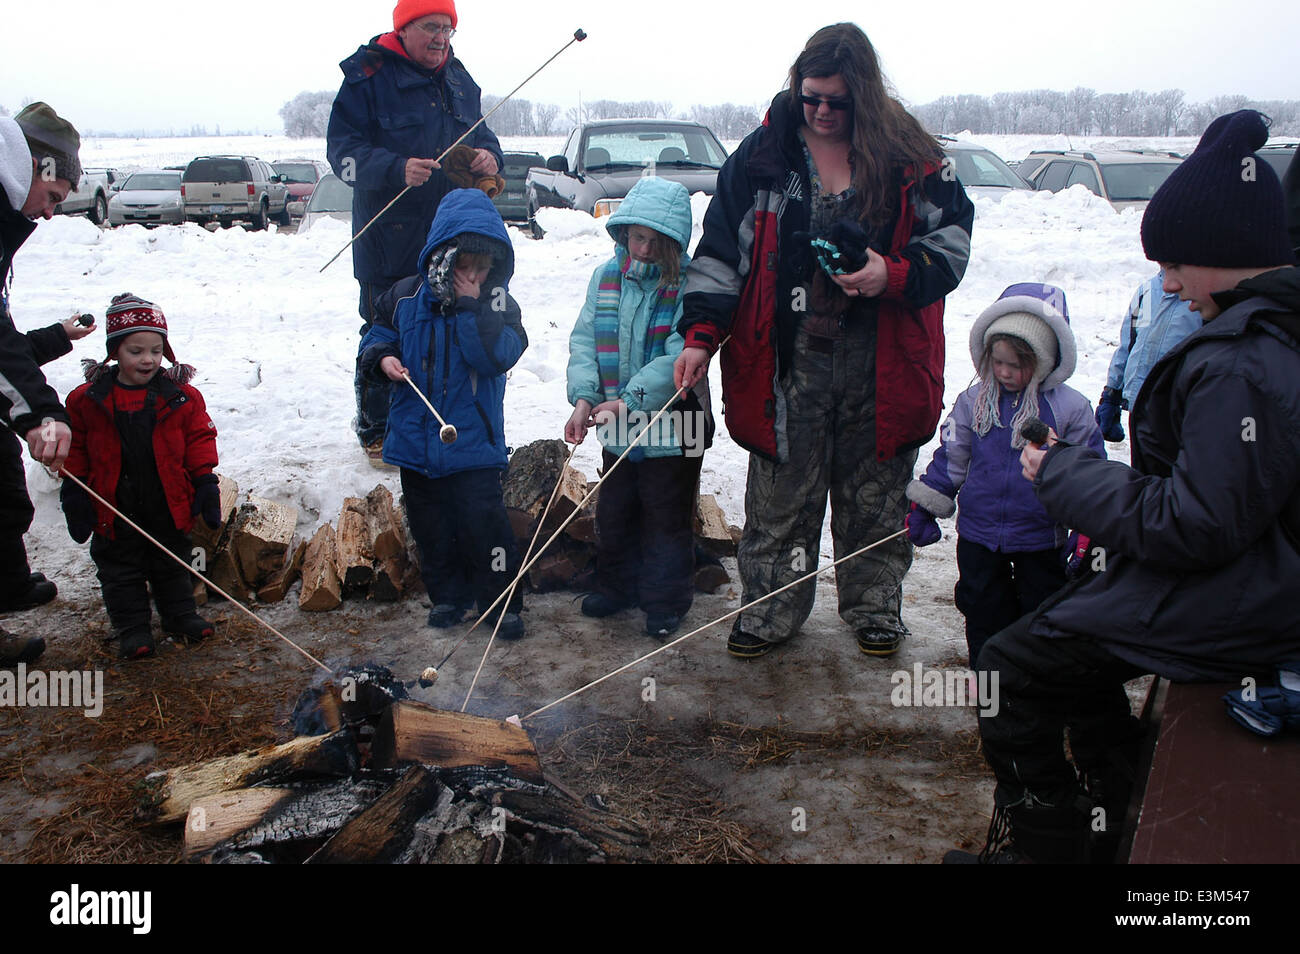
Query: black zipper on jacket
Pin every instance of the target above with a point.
(492, 437)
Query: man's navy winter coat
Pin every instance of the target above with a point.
(458, 354)
(389, 110)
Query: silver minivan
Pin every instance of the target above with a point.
(228, 188)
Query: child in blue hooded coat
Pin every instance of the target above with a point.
(620, 375)
(1008, 548)
(456, 337)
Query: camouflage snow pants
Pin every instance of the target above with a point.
(831, 426)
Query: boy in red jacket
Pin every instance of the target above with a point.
(143, 441)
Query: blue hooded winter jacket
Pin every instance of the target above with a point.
(458, 354)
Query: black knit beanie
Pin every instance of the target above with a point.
(1223, 206)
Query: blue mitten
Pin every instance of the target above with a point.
(1273, 708)
(1108, 408)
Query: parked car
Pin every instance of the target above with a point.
(149, 197)
(91, 196)
(980, 170)
(331, 199)
(603, 160)
(301, 176)
(1125, 179)
(513, 203)
(1278, 155)
(229, 188)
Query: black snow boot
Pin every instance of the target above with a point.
(190, 627)
(1032, 831)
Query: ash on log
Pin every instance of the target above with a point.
(170, 794)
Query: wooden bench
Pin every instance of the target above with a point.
(1214, 793)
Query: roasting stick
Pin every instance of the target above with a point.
(234, 602)
(517, 719)
(532, 543)
(446, 433)
(578, 37)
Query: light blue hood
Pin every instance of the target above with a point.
(659, 204)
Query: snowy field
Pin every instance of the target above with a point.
(274, 339)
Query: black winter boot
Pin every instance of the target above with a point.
(190, 627)
(1033, 831)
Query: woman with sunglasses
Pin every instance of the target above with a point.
(833, 372)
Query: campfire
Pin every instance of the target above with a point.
(377, 777)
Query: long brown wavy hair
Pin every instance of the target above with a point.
(884, 135)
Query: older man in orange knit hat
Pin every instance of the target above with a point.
(405, 98)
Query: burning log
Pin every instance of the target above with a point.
(170, 794)
(383, 830)
(414, 732)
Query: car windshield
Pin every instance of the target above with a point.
(302, 173)
(979, 167)
(331, 194)
(647, 144)
(153, 181)
(1135, 181)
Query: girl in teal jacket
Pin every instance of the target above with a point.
(620, 375)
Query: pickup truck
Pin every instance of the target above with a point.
(91, 196)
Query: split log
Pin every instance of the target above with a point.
(711, 527)
(531, 474)
(279, 582)
(557, 571)
(224, 572)
(207, 537)
(382, 831)
(573, 488)
(321, 587)
(522, 525)
(261, 534)
(353, 558)
(384, 525)
(170, 794)
(414, 732)
(293, 822)
(583, 528)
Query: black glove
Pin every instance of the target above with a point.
(1108, 408)
(79, 510)
(207, 500)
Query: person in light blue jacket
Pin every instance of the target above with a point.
(1155, 323)
(620, 376)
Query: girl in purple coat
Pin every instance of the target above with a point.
(1008, 549)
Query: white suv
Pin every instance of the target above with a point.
(226, 188)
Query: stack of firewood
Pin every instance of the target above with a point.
(255, 551)
(386, 779)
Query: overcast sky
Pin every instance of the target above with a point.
(149, 64)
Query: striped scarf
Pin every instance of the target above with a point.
(606, 320)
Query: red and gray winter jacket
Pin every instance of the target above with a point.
(184, 444)
(743, 278)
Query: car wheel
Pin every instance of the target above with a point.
(99, 209)
(283, 218)
(259, 220)
(534, 229)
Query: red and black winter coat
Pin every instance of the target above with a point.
(743, 276)
(184, 444)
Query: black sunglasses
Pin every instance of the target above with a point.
(816, 101)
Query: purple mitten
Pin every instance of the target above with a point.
(922, 528)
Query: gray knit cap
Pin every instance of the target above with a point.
(49, 136)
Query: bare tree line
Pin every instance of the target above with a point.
(307, 115)
(1085, 112)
